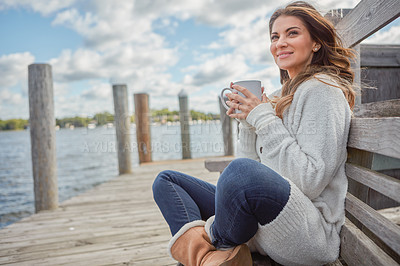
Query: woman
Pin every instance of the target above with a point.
(285, 196)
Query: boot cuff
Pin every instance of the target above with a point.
(182, 231)
(207, 227)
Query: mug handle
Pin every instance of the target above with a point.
(222, 98)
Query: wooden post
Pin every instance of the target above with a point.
(356, 66)
(43, 136)
(184, 117)
(122, 126)
(142, 120)
(226, 124)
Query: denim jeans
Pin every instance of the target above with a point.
(248, 193)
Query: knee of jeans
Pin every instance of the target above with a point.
(233, 173)
(239, 167)
(241, 164)
(159, 183)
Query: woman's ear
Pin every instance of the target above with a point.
(317, 46)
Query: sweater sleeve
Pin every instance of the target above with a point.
(246, 144)
(309, 155)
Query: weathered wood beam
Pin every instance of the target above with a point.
(374, 221)
(382, 55)
(358, 249)
(366, 18)
(389, 108)
(387, 185)
(378, 135)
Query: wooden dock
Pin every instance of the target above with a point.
(115, 223)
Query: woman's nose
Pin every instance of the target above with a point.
(281, 43)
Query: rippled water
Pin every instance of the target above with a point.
(86, 158)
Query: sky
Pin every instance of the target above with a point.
(159, 47)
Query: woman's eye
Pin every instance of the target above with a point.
(291, 33)
(275, 37)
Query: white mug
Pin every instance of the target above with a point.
(254, 86)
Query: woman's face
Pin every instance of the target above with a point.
(291, 44)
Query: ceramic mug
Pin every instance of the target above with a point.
(254, 86)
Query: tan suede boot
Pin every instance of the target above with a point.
(194, 248)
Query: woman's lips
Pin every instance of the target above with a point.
(284, 55)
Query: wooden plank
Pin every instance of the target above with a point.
(384, 184)
(389, 108)
(366, 18)
(380, 55)
(358, 249)
(355, 66)
(392, 214)
(374, 222)
(380, 84)
(217, 164)
(116, 223)
(378, 135)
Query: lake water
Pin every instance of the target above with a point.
(86, 158)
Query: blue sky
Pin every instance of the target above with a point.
(152, 46)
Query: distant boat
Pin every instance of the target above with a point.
(57, 127)
(110, 125)
(91, 126)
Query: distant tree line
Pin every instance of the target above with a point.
(162, 115)
(13, 124)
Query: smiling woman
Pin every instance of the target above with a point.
(292, 47)
(284, 196)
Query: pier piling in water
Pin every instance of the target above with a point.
(226, 124)
(142, 119)
(43, 136)
(184, 116)
(122, 126)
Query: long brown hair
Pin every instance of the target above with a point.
(332, 58)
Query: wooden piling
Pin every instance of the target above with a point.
(142, 120)
(184, 117)
(226, 124)
(122, 126)
(43, 136)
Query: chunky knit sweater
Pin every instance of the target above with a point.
(308, 148)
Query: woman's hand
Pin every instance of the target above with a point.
(243, 104)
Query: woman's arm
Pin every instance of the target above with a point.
(310, 156)
(246, 144)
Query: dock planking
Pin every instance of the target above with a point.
(115, 223)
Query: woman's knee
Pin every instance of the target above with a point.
(237, 171)
(244, 173)
(235, 176)
(161, 181)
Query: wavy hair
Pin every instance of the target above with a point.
(332, 58)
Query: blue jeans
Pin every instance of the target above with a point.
(248, 193)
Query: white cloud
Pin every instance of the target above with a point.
(14, 85)
(13, 104)
(391, 36)
(14, 69)
(44, 7)
(218, 69)
(123, 43)
(10, 98)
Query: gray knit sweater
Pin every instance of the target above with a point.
(308, 148)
